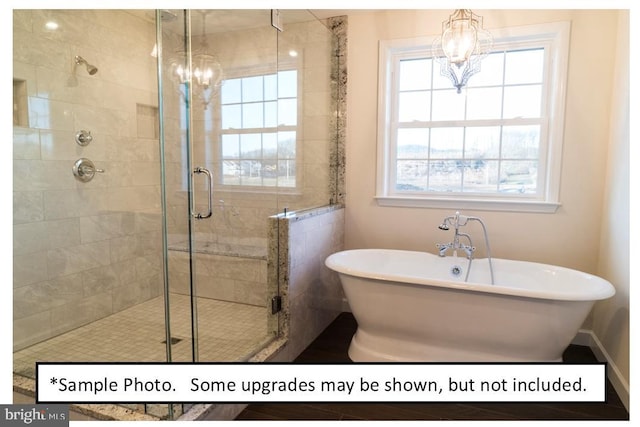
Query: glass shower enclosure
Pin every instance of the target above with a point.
(219, 135)
(155, 146)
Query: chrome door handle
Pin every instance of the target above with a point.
(207, 173)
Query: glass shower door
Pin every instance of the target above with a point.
(216, 230)
(177, 175)
(235, 135)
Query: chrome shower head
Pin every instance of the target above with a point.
(443, 226)
(90, 68)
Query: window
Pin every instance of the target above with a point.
(497, 145)
(258, 130)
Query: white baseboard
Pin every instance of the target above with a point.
(619, 383)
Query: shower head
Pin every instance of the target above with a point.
(90, 68)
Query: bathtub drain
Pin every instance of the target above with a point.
(456, 270)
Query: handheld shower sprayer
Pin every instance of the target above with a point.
(456, 220)
(91, 69)
(444, 226)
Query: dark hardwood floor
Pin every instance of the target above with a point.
(331, 347)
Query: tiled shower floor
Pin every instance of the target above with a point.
(227, 332)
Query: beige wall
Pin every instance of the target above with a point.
(611, 317)
(572, 236)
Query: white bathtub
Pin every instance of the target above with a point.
(410, 307)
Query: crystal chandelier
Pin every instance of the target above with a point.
(207, 75)
(463, 44)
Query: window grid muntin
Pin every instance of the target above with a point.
(280, 158)
(501, 122)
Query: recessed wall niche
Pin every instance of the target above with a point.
(20, 110)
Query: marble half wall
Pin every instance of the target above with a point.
(311, 293)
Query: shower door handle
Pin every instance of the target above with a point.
(207, 173)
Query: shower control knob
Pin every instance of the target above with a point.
(84, 170)
(84, 137)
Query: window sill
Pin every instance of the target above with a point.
(534, 206)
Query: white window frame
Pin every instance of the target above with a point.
(554, 37)
(254, 72)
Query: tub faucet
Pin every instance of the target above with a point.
(443, 248)
(456, 221)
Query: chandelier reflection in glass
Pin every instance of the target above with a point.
(461, 46)
(207, 75)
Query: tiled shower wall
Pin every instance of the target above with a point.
(240, 214)
(83, 250)
(238, 279)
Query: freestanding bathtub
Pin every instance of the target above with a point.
(415, 306)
